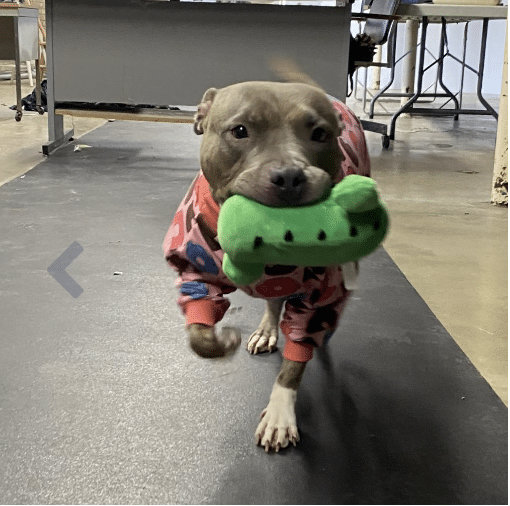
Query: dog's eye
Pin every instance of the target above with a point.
(240, 132)
(319, 135)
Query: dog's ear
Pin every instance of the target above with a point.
(203, 110)
(289, 71)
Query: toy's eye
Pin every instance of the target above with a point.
(240, 132)
(258, 242)
(319, 135)
(288, 236)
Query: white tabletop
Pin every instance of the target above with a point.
(282, 3)
(451, 12)
(8, 9)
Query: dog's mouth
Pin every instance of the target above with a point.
(287, 186)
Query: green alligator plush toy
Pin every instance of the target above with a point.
(349, 224)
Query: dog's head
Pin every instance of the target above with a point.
(275, 143)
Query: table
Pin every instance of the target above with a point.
(135, 52)
(444, 14)
(19, 41)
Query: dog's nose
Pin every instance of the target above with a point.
(289, 181)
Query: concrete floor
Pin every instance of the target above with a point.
(446, 237)
(20, 143)
(102, 402)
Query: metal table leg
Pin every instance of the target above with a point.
(442, 56)
(17, 58)
(56, 135)
(481, 68)
(463, 71)
(444, 52)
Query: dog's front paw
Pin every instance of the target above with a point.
(263, 339)
(205, 342)
(277, 427)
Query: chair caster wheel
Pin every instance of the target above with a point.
(18, 116)
(386, 141)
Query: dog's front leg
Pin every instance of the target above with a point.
(278, 421)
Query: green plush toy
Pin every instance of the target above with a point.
(349, 224)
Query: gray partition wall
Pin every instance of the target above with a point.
(162, 53)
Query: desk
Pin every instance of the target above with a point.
(132, 52)
(444, 14)
(19, 41)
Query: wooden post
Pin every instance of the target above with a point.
(500, 179)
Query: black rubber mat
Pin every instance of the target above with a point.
(102, 402)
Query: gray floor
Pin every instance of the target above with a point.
(102, 402)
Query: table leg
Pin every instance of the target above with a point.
(481, 68)
(56, 135)
(17, 57)
(442, 56)
(463, 71)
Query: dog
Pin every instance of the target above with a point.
(281, 144)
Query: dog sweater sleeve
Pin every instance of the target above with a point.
(205, 311)
(191, 249)
(298, 351)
